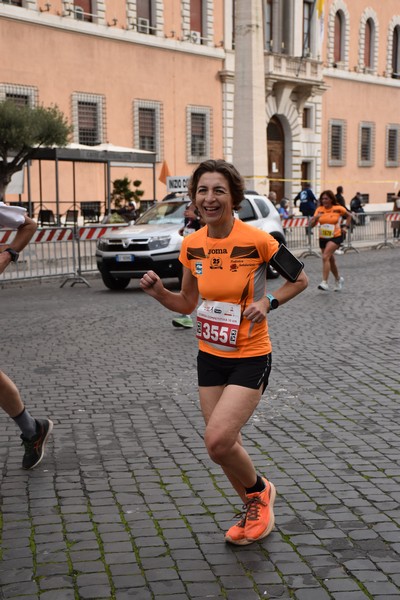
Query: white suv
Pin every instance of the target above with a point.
(153, 241)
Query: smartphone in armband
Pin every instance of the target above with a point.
(286, 264)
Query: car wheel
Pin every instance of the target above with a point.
(272, 273)
(114, 283)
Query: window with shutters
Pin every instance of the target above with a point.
(196, 16)
(338, 38)
(392, 145)
(88, 119)
(198, 128)
(148, 126)
(337, 138)
(198, 133)
(369, 45)
(268, 25)
(83, 10)
(12, 2)
(396, 53)
(145, 20)
(18, 99)
(147, 129)
(307, 14)
(366, 145)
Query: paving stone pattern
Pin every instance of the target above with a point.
(127, 504)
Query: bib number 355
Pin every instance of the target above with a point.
(218, 323)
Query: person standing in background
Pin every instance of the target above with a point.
(396, 209)
(308, 201)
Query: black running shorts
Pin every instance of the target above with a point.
(336, 240)
(250, 372)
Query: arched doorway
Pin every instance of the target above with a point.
(276, 157)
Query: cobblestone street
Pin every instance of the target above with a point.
(126, 503)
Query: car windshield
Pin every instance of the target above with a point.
(163, 213)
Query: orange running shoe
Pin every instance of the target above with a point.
(260, 518)
(235, 534)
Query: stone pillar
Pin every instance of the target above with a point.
(249, 153)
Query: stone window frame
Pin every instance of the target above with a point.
(337, 162)
(368, 13)
(156, 27)
(388, 162)
(207, 111)
(98, 14)
(207, 38)
(100, 101)
(371, 127)
(339, 6)
(394, 22)
(158, 108)
(22, 90)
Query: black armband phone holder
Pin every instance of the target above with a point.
(286, 264)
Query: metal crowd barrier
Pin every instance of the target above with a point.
(69, 252)
(56, 252)
(50, 253)
(367, 230)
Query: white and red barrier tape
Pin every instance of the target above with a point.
(295, 222)
(393, 216)
(57, 234)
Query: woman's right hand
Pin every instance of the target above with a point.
(314, 220)
(151, 284)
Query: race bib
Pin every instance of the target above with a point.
(218, 323)
(326, 231)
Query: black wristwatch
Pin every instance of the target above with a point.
(273, 302)
(14, 254)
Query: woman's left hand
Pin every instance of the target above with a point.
(257, 311)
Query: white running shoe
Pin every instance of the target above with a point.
(338, 284)
(324, 286)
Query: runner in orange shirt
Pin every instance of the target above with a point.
(329, 216)
(225, 262)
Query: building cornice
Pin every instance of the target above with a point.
(71, 25)
(361, 77)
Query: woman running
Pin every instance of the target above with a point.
(225, 262)
(329, 216)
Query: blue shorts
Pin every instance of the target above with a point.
(252, 372)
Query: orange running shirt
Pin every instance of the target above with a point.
(232, 269)
(331, 216)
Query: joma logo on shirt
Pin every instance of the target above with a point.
(218, 251)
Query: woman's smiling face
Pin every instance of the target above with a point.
(213, 199)
(326, 201)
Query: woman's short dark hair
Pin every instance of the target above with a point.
(231, 174)
(330, 195)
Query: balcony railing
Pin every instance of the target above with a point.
(281, 66)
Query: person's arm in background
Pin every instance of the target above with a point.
(22, 238)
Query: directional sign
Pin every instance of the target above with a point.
(177, 184)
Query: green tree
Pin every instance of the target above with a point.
(23, 130)
(123, 193)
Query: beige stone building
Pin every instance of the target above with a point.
(159, 75)
(360, 108)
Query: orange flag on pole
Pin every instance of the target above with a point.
(164, 173)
